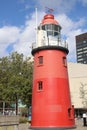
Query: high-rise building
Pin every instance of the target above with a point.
(81, 48)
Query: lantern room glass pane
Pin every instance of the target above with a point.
(56, 27)
(49, 27)
(43, 27)
(55, 33)
(49, 33)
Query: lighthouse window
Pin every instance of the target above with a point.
(40, 59)
(49, 33)
(49, 27)
(55, 33)
(40, 85)
(55, 27)
(69, 112)
(43, 27)
(64, 61)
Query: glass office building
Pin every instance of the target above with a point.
(81, 48)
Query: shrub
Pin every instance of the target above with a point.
(23, 120)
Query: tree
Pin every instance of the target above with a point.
(4, 76)
(16, 79)
(27, 72)
(83, 94)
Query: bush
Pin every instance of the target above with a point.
(23, 120)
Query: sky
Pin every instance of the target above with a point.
(18, 23)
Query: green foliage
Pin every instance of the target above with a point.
(24, 112)
(83, 94)
(16, 78)
(23, 120)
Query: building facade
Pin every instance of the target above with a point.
(81, 48)
(78, 86)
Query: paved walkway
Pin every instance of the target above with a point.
(79, 124)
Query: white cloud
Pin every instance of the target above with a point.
(72, 44)
(3, 50)
(84, 2)
(28, 35)
(68, 25)
(58, 5)
(70, 29)
(8, 34)
(61, 6)
(24, 37)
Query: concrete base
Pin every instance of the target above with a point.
(53, 128)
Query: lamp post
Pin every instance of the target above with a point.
(3, 107)
(16, 102)
(16, 99)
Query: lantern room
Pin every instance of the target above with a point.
(49, 33)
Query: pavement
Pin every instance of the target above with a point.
(79, 125)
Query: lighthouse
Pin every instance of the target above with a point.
(51, 102)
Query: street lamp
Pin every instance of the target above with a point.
(16, 100)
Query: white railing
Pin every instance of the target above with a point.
(50, 43)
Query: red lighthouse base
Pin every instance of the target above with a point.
(51, 105)
(53, 128)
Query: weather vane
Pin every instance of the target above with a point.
(49, 10)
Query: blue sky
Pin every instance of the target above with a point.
(17, 23)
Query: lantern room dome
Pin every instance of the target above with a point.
(49, 19)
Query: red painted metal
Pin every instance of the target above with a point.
(51, 103)
(49, 18)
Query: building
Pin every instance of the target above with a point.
(51, 92)
(81, 48)
(78, 83)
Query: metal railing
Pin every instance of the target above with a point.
(50, 43)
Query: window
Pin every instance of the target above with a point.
(79, 52)
(49, 33)
(84, 41)
(64, 61)
(40, 85)
(55, 33)
(52, 30)
(85, 51)
(43, 27)
(40, 60)
(49, 27)
(79, 55)
(69, 112)
(56, 27)
(79, 49)
(81, 59)
(84, 48)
